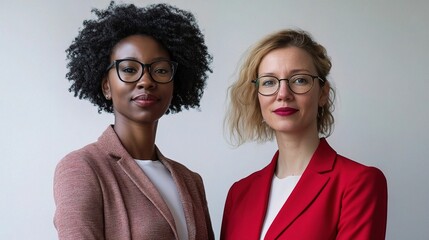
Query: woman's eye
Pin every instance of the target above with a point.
(129, 70)
(300, 81)
(269, 82)
(160, 71)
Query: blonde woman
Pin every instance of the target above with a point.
(307, 191)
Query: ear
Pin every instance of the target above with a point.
(324, 94)
(105, 86)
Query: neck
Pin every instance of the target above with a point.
(137, 139)
(295, 152)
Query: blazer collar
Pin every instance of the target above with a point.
(311, 183)
(257, 204)
(111, 144)
(183, 190)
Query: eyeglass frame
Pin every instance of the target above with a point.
(256, 82)
(116, 63)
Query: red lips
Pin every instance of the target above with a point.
(285, 111)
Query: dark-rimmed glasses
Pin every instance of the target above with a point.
(298, 84)
(130, 70)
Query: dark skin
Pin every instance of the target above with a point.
(138, 106)
(138, 140)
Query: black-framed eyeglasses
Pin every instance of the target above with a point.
(298, 83)
(130, 70)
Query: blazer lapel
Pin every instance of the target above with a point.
(312, 182)
(143, 183)
(256, 206)
(267, 179)
(184, 195)
(112, 145)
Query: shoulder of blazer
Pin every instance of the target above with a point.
(106, 149)
(326, 160)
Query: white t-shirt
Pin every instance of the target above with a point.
(163, 181)
(281, 188)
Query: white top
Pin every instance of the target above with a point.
(163, 181)
(281, 188)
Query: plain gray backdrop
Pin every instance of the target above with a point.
(380, 56)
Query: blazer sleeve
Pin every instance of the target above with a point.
(78, 199)
(364, 207)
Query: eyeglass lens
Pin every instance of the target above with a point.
(268, 85)
(131, 71)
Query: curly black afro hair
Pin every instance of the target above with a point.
(177, 30)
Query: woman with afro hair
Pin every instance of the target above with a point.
(139, 64)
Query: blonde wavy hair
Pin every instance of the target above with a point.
(244, 118)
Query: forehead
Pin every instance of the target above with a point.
(287, 60)
(139, 47)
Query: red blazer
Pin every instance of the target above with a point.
(336, 198)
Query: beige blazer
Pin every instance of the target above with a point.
(101, 193)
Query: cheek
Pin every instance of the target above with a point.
(168, 92)
(264, 105)
(311, 104)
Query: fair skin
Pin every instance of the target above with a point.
(293, 117)
(138, 106)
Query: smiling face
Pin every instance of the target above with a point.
(285, 111)
(144, 101)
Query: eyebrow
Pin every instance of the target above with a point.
(293, 72)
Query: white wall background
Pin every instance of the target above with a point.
(380, 58)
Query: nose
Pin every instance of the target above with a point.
(146, 80)
(284, 93)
